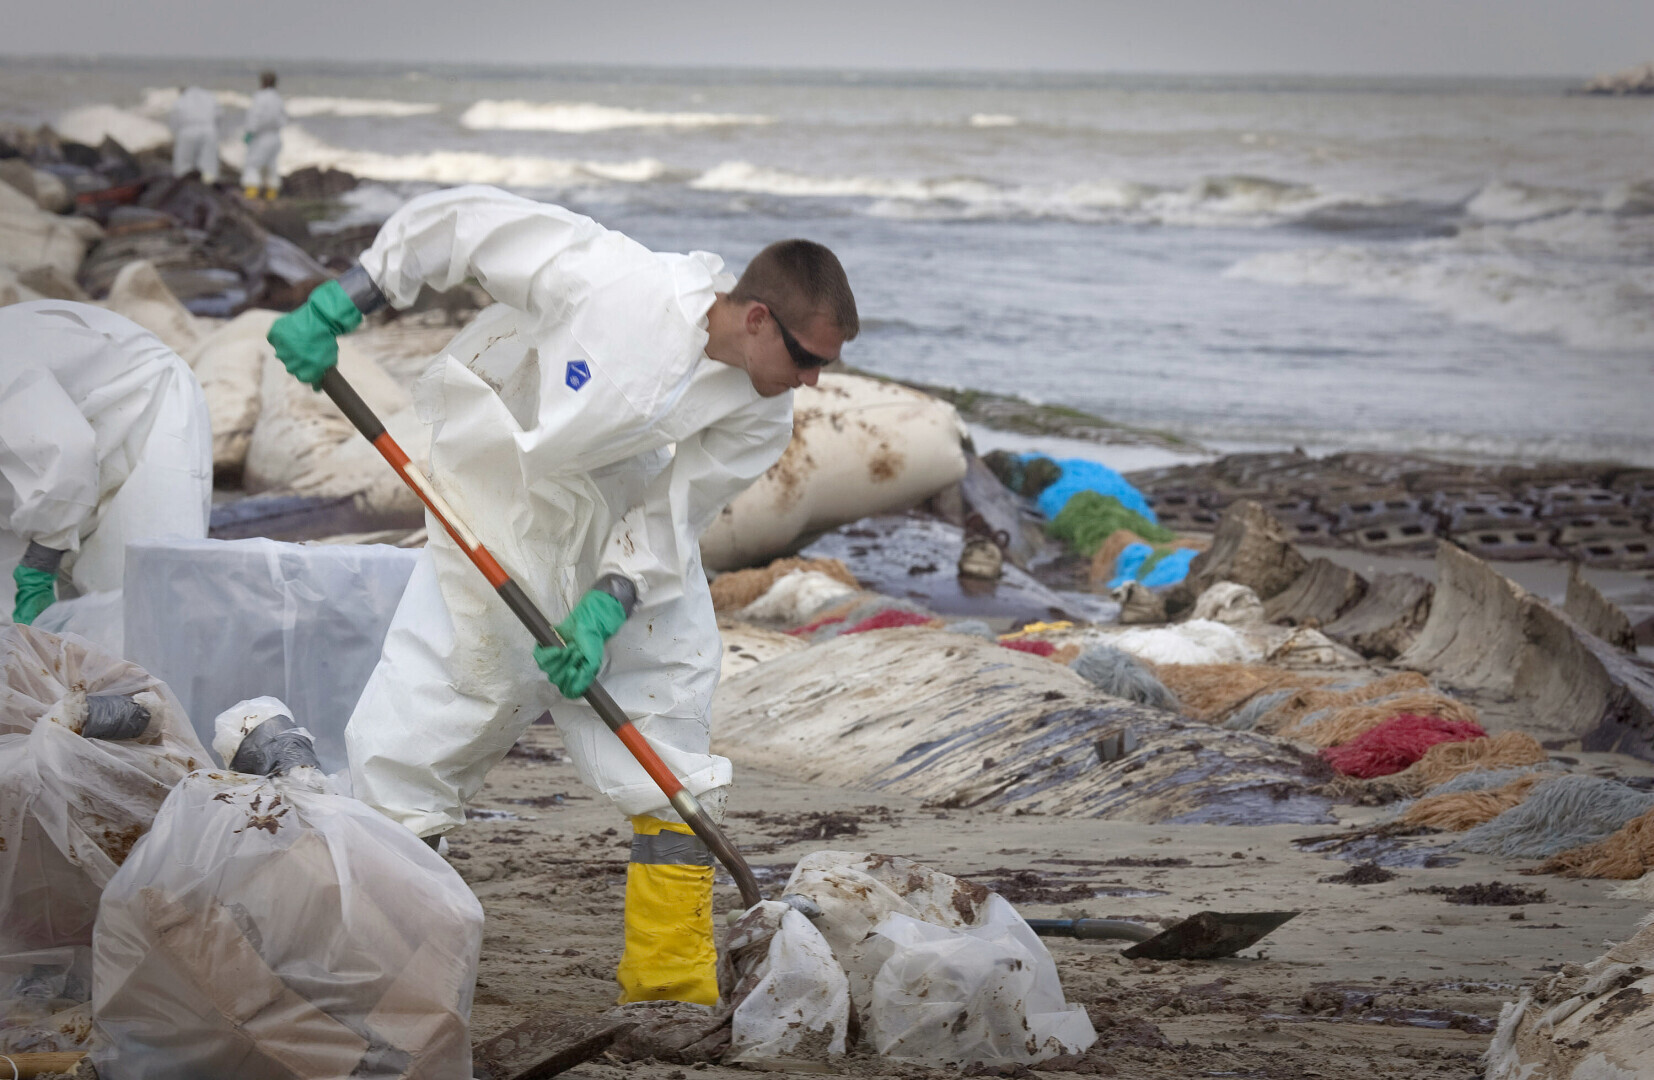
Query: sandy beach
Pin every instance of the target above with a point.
(1384, 979)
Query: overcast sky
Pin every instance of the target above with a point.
(1454, 37)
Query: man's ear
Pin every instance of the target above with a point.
(753, 320)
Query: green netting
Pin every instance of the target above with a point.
(1089, 518)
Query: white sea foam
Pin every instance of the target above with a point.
(90, 124)
(158, 99)
(585, 117)
(1585, 278)
(300, 149)
(1506, 201)
(992, 120)
(1220, 201)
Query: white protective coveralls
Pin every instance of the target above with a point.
(104, 438)
(194, 122)
(265, 117)
(579, 429)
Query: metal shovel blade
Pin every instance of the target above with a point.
(1209, 935)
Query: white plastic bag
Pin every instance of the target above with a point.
(44, 1004)
(794, 1006)
(268, 929)
(71, 808)
(226, 620)
(957, 995)
(939, 971)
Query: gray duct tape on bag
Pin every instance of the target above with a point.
(274, 747)
(112, 718)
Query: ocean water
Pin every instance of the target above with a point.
(1463, 268)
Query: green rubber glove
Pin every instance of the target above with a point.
(592, 622)
(247, 138)
(36, 591)
(306, 340)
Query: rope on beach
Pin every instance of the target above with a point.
(1318, 697)
(1352, 721)
(1627, 854)
(738, 588)
(1209, 692)
(1457, 811)
(1508, 749)
(1395, 744)
(1560, 814)
(1119, 674)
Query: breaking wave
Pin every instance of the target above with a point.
(91, 124)
(300, 149)
(1230, 201)
(1585, 277)
(992, 120)
(585, 117)
(158, 100)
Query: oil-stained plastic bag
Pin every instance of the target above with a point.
(72, 806)
(794, 1005)
(44, 1000)
(939, 970)
(269, 928)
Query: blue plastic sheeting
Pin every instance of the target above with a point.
(1166, 573)
(1170, 570)
(1078, 475)
(1129, 563)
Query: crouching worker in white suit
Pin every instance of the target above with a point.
(104, 438)
(588, 428)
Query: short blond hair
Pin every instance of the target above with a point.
(799, 279)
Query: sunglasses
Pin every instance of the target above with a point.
(802, 357)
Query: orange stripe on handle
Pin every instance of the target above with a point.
(415, 479)
(651, 762)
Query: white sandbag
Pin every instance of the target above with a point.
(31, 237)
(71, 808)
(139, 294)
(229, 364)
(268, 930)
(1230, 604)
(940, 971)
(302, 444)
(1587, 1022)
(860, 447)
(1640, 889)
(794, 596)
(1198, 641)
(227, 620)
(795, 1005)
(13, 291)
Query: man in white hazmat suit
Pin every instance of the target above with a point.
(265, 117)
(104, 438)
(588, 428)
(194, 123)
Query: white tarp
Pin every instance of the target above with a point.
(226, 620)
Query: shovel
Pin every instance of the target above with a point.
(1206, 936)
(688, 807)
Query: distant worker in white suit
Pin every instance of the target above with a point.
(194, 122)
(265, 117)
(588, 428)
(104, 438)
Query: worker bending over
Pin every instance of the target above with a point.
(588, 428)
(104, 438)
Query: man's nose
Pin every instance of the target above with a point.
(808, 376)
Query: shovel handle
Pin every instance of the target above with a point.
(688, 807)
(1092, 929)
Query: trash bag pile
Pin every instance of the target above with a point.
(271, 927)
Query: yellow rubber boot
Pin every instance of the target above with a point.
(670, 952)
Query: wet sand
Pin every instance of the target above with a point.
(1376, 979)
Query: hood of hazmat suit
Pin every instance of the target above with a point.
(104, 438)
(579, 429)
